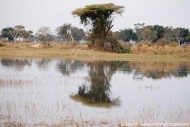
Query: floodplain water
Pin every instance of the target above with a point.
(55, 91)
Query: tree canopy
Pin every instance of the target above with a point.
(127, 35)
(69, 33)
(14, 33)
(5, 33)
(100, 16)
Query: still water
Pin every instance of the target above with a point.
(51, 91)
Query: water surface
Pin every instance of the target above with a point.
(52, 91)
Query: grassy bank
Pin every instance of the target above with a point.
(83, 53)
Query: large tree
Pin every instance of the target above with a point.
(100, 16)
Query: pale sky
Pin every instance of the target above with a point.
(36, 13)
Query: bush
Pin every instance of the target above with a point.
(115, 46)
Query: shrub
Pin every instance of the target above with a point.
(115, 46)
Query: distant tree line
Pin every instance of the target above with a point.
(65, 33)
(68, 33)
(153, 34)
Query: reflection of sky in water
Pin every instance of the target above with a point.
(153, 100)
(46, 95)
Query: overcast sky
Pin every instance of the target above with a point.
(36, 13)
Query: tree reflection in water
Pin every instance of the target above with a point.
(43, 63)
(159, 70)
(67, 67)
(17, 63)
(97, 91)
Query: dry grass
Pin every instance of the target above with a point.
(161, 50)
(81, 52)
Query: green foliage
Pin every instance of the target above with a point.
(17, 32)
(185, 34)
(115, 46)
(156, 32)
(127, 35)
(100, 16)
(94, 11)
(160, 31)
(187, 38)
(5, 33)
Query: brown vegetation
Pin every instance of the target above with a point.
(139, 52)
(157, 49)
